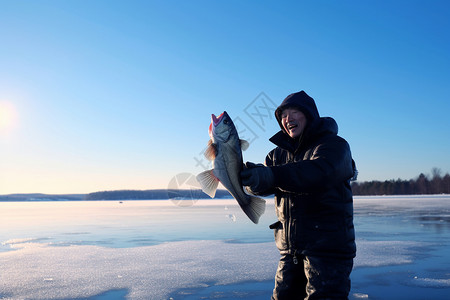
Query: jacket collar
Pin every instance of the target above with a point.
(282, 140)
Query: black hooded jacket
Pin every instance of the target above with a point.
(313, 197)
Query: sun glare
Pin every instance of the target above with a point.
(8, 117)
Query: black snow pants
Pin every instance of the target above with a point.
(309, 277)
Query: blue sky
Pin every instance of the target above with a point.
(105, 95)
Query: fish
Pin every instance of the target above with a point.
(225, 151)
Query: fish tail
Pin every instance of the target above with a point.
(255, 208)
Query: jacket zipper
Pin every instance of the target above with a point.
(288, 216)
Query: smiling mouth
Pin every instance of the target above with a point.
(292, 126)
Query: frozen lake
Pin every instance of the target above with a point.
(158, 250)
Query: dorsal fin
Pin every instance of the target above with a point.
(244, 145)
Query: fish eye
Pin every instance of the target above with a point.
(225, 122)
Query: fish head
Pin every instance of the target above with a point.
(221, 127)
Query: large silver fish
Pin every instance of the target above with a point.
(224, 149)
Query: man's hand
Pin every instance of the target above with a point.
(257, 177)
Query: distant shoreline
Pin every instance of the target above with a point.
(122, 195)
(137, 195)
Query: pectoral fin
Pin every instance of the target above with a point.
(208, 182)
(211, 151)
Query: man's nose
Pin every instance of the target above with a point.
(288, 117)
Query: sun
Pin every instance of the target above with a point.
(8, 117)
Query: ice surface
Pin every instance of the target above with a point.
(79, 250)
(40, 271)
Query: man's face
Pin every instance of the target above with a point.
(293, 121)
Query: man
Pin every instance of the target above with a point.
(309, 172)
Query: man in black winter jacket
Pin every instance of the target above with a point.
(309, 173)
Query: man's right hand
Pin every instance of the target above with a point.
(257, 177)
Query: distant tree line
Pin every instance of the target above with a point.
(41, 197)
(423, 184)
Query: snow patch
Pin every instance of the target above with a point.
(384, 253)
(360, 296)
(431, 282)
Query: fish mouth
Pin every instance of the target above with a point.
(216, 120)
